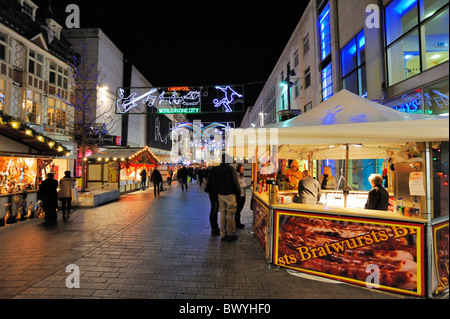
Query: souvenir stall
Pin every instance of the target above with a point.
(119, 168)
(25, 159)
(404, 250)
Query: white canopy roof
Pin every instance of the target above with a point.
(344, 118)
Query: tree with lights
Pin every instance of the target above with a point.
(91, 119)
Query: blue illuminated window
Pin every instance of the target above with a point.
(327, 82)
(324, 32)
(353, 67)
(417, 37)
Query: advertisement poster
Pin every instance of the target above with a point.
(378, 254)
(441, 248)
(260, 224)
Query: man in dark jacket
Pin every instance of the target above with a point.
(182, 176)
(228, 190)
(214, 200)
(156, 178)
(378, 198)
(49, 196)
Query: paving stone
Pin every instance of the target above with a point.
(140, 247)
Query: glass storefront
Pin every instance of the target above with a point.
(432, 99)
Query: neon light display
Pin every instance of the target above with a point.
(191, 110)
(181, 99)
(227, 100)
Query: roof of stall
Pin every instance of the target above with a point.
(131, 155)
(344, 118)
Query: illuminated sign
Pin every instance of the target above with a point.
(228, 98)
(190, 110)
(180, 99)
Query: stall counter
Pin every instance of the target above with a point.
(383, 250)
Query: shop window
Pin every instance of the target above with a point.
(436, 98)
(401, 17)
(324, 32)
(416, 37)
(432, 99)
(327, 82)
(404, 58)
(429, 7)
(435, 32)
(353, 59)
(32, 106)
(56, 114)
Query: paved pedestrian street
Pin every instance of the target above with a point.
(141, 247)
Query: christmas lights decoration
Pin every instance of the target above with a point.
(226, 101)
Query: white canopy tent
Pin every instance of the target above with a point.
(368, 128)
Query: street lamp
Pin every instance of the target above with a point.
(287, 114)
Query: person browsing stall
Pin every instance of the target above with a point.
(308, 190)
(378, 198)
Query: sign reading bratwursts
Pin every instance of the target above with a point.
(386, 255)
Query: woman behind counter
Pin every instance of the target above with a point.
(378, 198)
(327, 180)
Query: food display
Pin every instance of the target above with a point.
(351, 249)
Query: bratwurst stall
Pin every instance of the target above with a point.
(403, 249)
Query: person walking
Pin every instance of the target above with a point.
(228, 191)
(49, 196)
(143, 179)
(241, 200)
(182, 176)
(214, 200)
(308, 190)
(66, 184)
(169, 176)
(156, 178)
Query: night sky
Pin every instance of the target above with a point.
(194, 43)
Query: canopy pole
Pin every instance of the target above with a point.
(346, 188)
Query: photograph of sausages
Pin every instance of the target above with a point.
(344, 249)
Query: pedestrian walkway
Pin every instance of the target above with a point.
(146, 247)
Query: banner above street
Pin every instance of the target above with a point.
(180, 99)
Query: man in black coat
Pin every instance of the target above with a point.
(156, 178)
(182, 175)
(49, 196)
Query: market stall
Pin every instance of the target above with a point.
(26, 156)
(119, 168)
(404, 250)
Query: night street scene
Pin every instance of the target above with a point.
(224, 158)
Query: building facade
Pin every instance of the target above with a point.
(35, 73)
(394, 52)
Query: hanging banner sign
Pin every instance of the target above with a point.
(181, 100)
